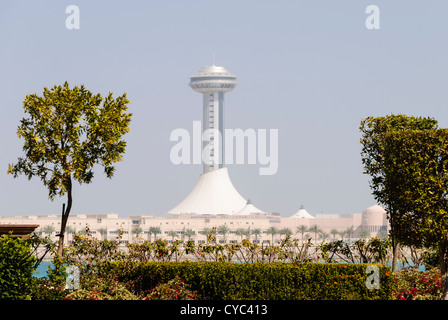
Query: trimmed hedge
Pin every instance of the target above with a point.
(16, 268)
(260, 281)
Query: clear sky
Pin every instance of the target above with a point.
(310, 69)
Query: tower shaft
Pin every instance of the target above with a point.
(213, 129)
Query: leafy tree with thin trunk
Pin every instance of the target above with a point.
(417, 165)
(67, 131)
(374, 131)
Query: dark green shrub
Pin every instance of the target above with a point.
(16, 268)
(263, 281)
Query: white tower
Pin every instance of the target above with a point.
(214, 193)
(213, 82)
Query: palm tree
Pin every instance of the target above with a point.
(155, 231)
(256, 232)
(286, 232)
(363, 234)
(48, 229)
(103, 232)
(223, 230)
(241, 232)
(342, 234)
(350, 232)
(302, 229)
(334, 232)
(315, 228)
(272, 231)
(172, 234)
(324, 235)
(189, 233)
(136, 231)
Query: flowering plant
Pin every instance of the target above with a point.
(418, 285)
(175, 289)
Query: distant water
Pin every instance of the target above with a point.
(42, 268)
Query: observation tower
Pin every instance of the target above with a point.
(214, 193)
(213, 82)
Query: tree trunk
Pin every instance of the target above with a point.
(443, 270)
(64, 218)
(395, 252)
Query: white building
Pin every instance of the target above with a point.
(191, 226)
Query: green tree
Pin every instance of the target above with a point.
(223, 230)
(315, 229)
(172, 234)
(48, 229)
(350, 232)
(343, 233)
(272, 231)
(155, 231)
(66, 132)
(302, 229)
(417, 162)
(364, 234)
(334, 233)
(189, 233)
(241, 232)
(102, 231)
(285, 232)
(374, 131)
(136, 231)
(256, 232)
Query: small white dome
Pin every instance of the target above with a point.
(302, 213)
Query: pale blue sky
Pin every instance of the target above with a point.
(310, 69)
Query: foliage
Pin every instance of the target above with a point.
(174, 289)
(385, 188)
(95, 288)
(374, 250)
(66, 132)
(16, 268)
(87, 253)
(418, 161)
(276, 281)
(417, 285)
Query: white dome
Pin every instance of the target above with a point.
(302, 214)
(373, 216)
(249, 209)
